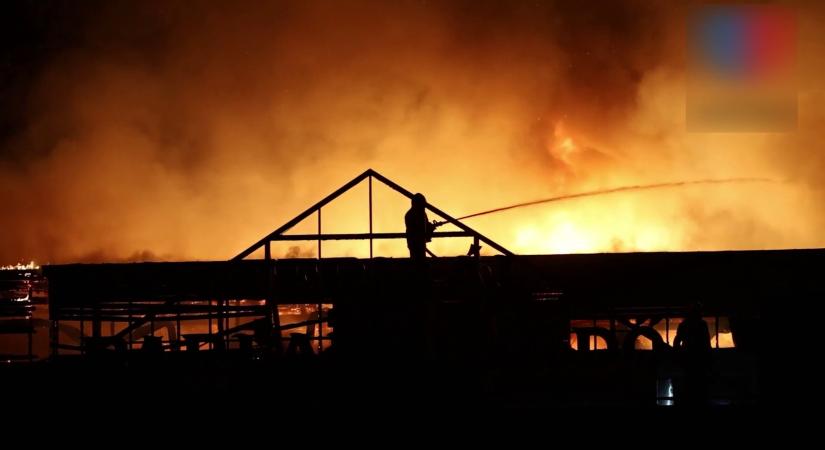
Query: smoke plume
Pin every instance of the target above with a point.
(187, 130)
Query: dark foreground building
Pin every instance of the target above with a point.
(508, 330)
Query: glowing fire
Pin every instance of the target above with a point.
(20, 266)
(562, 147)
(133, 156)
(570, 232)
(564, 237)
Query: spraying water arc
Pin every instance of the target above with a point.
(615, 190)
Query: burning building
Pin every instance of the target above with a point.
(137, 134)
(580, 315)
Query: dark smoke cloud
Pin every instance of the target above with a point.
(186, 130)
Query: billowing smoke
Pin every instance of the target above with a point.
(181, 130)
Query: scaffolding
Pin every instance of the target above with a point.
(121, 307)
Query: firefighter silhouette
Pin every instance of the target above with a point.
(419, 228)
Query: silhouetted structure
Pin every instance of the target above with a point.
(17, 305)
(594, 328)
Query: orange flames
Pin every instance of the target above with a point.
(232, 119)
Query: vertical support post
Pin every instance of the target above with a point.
(96, 326)
(54, 328)
(30, 329)
(178, 330)
(320, 327)
(227, 324)
(318, 307)
(82, 342)
(269, 300)
(131, 337)
(272, 318)
(221, 320)
(209, 315)
(54, 334)
(370, 190)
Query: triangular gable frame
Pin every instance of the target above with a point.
(278, 234)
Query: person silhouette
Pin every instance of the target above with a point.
(418, 307)
(693, 344)
(419, 228)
